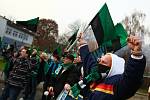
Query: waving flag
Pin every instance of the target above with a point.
(101, 32)
(29, 24)
(101, 29)
(115, 44)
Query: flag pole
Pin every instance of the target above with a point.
(57, 47)
(77, 39)
(68, 44)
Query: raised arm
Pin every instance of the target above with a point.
(133, 75)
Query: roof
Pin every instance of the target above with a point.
(12, 24)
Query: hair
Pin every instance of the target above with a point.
(69, 56)
(28, 51)
(57, 57)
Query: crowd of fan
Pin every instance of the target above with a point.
(109, 78)
(28, 67)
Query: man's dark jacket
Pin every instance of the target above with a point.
(117, 87)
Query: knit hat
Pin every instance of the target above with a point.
(117, 66)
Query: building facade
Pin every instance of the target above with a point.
(14, 34)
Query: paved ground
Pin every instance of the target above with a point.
(38, 94)
(139, 97)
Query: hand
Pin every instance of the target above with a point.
(51, 92)
(135, 44)
(67, 87)
(81, 41)
(50, 89)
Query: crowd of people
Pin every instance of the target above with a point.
(26, 68)
(108, 78)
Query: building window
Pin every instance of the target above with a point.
(20, 35)
(25, 37)
(8, 31)
(15, 33)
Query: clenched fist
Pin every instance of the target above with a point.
(135, 44)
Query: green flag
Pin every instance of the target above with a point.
(115, 44)
(119, 41)
(102, 33)
(29, 24)
(100, 30)
(73, 37)
(121, 33)
(58, 51)
(102, 26)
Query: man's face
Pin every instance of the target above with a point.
(23, 53)
(67, 60)
(77, 60)
(106, 60)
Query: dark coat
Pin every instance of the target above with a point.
(69, 76)
(21, 73)
(117, 87)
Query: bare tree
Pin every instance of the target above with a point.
(73, 27)
(134, 25)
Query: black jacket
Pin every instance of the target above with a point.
(69, 76)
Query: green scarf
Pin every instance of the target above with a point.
(93, 76)
(6, 69)
(46, 67)
(67, 66)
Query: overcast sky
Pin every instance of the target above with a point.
(65, 12)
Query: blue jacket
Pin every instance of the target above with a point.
(117, 87)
